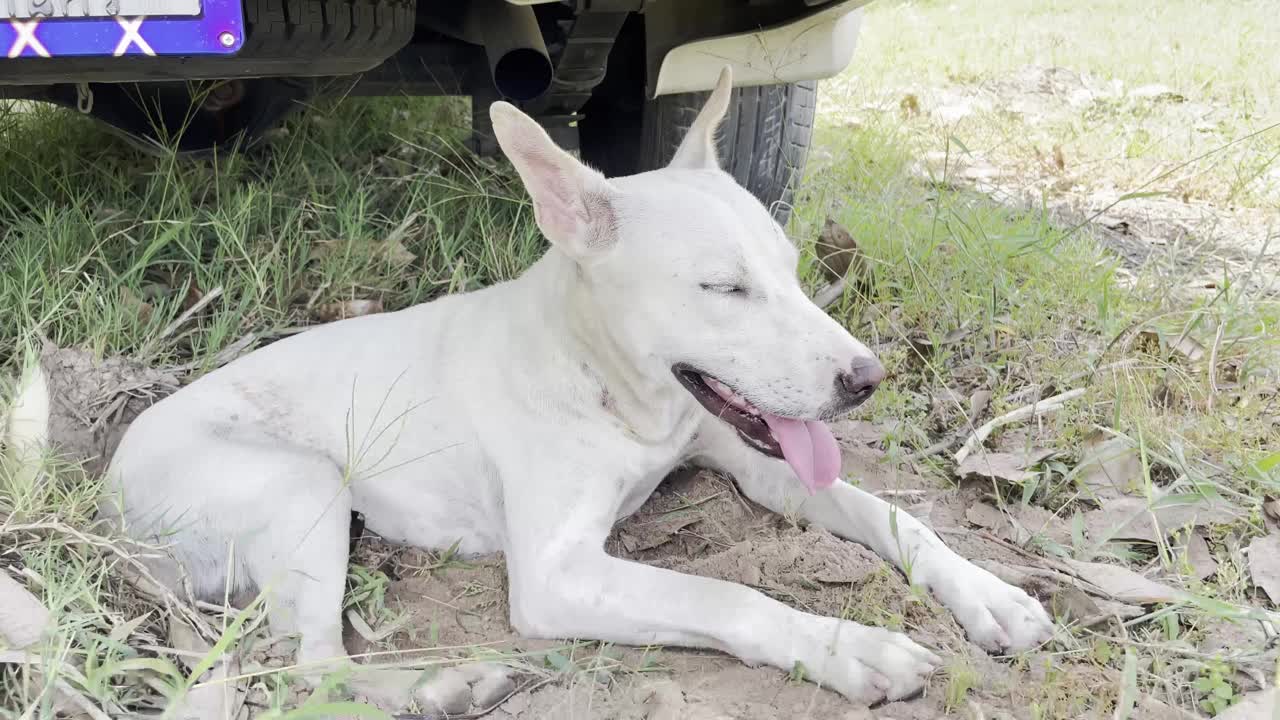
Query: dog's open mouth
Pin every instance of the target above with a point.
(806, 445)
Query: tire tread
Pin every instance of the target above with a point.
(763, 142)
(327, 29)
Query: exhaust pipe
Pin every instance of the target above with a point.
(518, 59)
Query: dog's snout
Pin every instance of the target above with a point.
(857, 383)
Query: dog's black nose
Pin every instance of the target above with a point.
(857, 383)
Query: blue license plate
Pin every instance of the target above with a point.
(63, 30)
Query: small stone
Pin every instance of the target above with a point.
(258, 696)
(283, 648)
(447, 693)
(490, 690)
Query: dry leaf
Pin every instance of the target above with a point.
(840, 257)
(397, 254)
(910, 105)
(361, 627)
(1196, 557)
(130, 300)
(393, 248)
(1010, 467)
(217, 696)
(1020, 523)
(1069, 604)
(1059, 160)
(1124, 584)
(190, 646)
(120, 633)
(986, 516)
(836, 250)
(193, 296)
(1110, 468)
(1151, 343)
(1110, 609)
(1164, 395)
(1189, 348)
(946, 408)
(1150, 708)
(1132, 518)
(1066, 601)
(1264, 565)
(1147, 341)
(330, 312)
(924, 346)
(978, 403)
(657, 532)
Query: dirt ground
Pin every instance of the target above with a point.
(698, 523)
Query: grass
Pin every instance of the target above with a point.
(102, 249)
(949, 55)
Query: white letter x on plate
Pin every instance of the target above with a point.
(26, 38)
(131, 36)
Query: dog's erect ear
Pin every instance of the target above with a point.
(573, 204)
(698, 149)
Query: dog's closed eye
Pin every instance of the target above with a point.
(723, 288)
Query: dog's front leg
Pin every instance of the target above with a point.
(996, 615)
(563, 585)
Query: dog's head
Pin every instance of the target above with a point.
(695, 280)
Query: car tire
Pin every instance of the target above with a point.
(334, 36)
(763, 142)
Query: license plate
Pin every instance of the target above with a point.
(70, 9)
(119, 28)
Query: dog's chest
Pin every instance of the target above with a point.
(649, 468)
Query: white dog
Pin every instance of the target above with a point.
(666, 326)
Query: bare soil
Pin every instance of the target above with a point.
(698, 523)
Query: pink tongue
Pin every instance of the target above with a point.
(809, 448)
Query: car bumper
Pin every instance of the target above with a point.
(819, 45)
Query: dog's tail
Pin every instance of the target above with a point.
(25, 434)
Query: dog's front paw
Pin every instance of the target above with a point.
(865, 664)
(997, 616)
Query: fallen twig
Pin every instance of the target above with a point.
(829, 294)
(932, 450)
(196, 307)
(68, 693)
(1213, 367)
(1035, 409)
(138, 574)
(1086, 377)
(226, 355)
